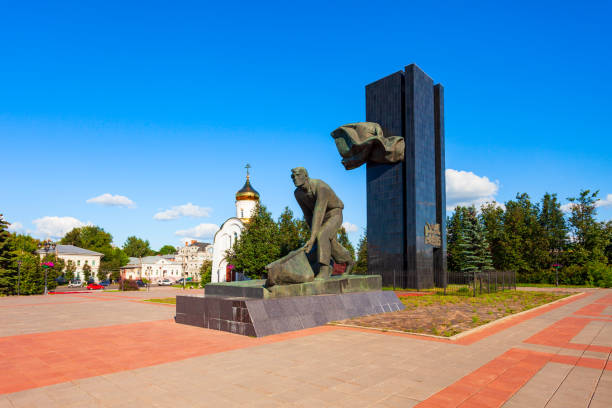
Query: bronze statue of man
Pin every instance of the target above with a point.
(323, 213)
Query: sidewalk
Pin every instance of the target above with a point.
(113, 350)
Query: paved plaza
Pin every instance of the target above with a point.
(114, 350)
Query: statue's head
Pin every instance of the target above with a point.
(299, 175)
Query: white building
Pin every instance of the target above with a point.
(246, 200)
(192, 256)
(152, 268)
(79, 258)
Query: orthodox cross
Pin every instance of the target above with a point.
(247, 167)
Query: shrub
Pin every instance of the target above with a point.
(128, 285)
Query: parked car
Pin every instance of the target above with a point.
(94, 286)
(140, 283)
(180, 281)
(105, 283)
(164, 282)
(61, 280)
(75, 284)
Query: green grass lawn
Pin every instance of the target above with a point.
(171, 301)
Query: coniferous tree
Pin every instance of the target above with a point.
(474, 247)
(492, 218)
(343, 240)
(289, 238)
(257, 246)
(553, 222)
(361, 266)
(455, 236)
(8, 270)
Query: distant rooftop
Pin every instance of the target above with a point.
(151, 260)
(71, 250)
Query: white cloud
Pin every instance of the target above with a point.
(199, 231)
(604, 202)
(350, 227)
(111, 200)
(466, 188)
(15, 227)
(55, 227)
(185, 210)
(567, 207)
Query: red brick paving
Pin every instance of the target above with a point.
(36, 360)
(561, 333)
(495, 382)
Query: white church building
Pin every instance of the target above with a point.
(246, 201)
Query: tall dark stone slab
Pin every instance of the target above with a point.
(440, 275)
(403, 197)
(385, 185)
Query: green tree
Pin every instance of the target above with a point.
(8, 272)
(474, 246)
(608, 250)
(288, 232)
(361, 266)
(69, 270)
(86, 272)
(257, 246)
(89, 237)
(553, 222)
(492, 218)
(167, 250)
(137, 247)
(455, 226)
(526, 242)
(205, 272)
(343, 240)
(32, 275)
(589, 237)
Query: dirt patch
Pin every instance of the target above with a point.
(448, 315)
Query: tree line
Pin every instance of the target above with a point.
(535, 239)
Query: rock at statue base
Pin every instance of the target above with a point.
(292, 268)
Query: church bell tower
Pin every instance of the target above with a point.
(246, 199)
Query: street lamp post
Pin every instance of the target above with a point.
(46, 246)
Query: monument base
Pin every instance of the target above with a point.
(333, 285)
(262, 317)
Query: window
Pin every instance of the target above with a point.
(235, 237)
(93, 262)
(78, 262)
(241, 213)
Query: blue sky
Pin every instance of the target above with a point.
(165, 103)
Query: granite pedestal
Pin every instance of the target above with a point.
(249, 309)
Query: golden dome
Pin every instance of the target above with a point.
(247, 192)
